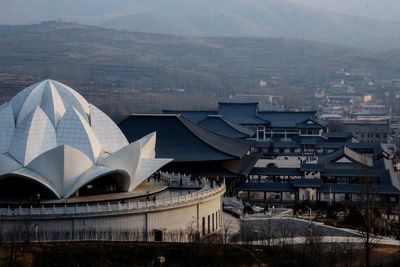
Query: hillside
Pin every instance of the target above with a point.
(229, 18)
(95, 57)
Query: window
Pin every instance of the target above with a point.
(213, 218)
(204, 226)
(260, 132)
(208, 224)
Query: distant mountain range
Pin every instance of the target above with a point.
(223, 18)
(97, 58)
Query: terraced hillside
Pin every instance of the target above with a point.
(102, 62)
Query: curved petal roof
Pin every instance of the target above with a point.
(50, 134)
(33, 136)
(7, 127)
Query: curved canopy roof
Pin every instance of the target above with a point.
(51, 134)
(183, 140)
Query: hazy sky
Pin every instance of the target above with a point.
(23, 11)
(379, 9)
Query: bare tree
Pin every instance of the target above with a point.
(348, 253)
(226, 231)
(370, 216)
(267, 233)
(313, 246)
(285, 232)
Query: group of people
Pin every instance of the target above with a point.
(35, 199)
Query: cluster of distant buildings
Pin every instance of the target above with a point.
(279, 157)
(351, 102)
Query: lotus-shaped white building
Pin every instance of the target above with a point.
(51, 135)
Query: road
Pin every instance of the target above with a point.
(281, 226)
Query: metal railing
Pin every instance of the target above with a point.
(121, 206)
(184, 180)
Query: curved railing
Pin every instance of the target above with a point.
(118, 207)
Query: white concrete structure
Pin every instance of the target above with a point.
(50, 134)
(178, 219)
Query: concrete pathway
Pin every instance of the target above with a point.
(298, 227)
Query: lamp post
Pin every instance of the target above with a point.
(309, 220)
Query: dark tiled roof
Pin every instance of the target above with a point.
(358, 188)
(338, 135)
(308, 141)
(262, 144)
(311, 123)
(323, 188)
(336, 145)
(219, 125)
(348, 153)
(241, 113)
(365, 127)
(307, 183)
(242, 166)
(182, 140)
(340, 188)
(286, 144)
(276, 171)
(283, 119)
(194, 116)
(201, 168)
(312, 167)
(269, 187)
(350, 173)
(365, 148)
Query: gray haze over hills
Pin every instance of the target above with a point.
(303, 19)
(375, 9)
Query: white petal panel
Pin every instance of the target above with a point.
(72, 99)
(107, 132)
(18, 100)
(52, 104)
(145, 169)
(7, 127)
(32, 101)
(8, 164)
(3, 106)
(32, 137)
(73, 130)
(148, 145)
(126, 159)
(61, 166)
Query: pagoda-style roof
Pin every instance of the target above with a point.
(242, 113)
(222, 126)
(311, 123)
(183, 140)
(286, 119)
(193, 115)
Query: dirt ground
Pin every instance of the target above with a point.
(88, 254)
